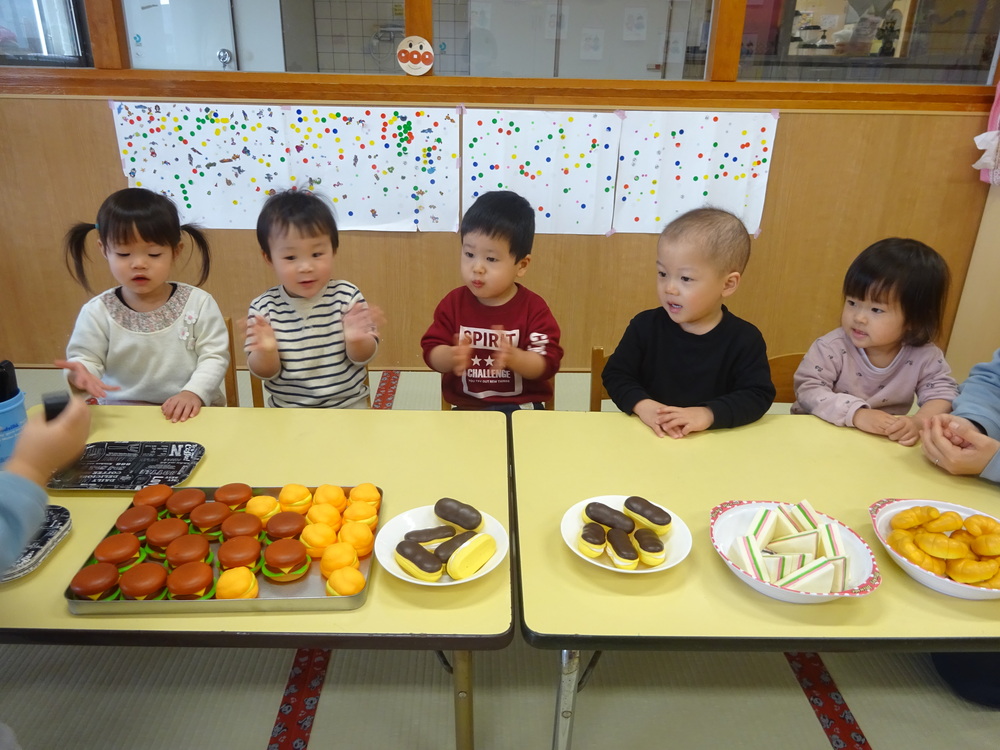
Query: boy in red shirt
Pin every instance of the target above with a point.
(495, 342)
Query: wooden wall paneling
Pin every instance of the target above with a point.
(838, 182)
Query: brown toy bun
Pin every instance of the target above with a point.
(188, 548)
(240, 552)
(155, 495)
(182, 501)
(235, 495)
(162, 533)
(98, 582)
(136, 520)
(207, 518)
(284, 525)
(121, 550)
(191, 580)
(285, 560)
(146, 580)
(242, 524)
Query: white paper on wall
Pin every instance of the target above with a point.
(564, 163)
(672, 162)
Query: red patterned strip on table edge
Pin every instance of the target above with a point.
(827, 703)
(301, 699)
(386, 391)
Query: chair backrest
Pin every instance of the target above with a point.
(550, 403)
(783, 369)
(257, 390)
(229, 379)
(597, 390)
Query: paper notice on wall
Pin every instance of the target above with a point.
(564, 163)
(672, 162)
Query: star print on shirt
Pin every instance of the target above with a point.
(489, 361)
(476, 361)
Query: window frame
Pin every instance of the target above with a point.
(112, 77)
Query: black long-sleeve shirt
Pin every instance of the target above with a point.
(725, 369)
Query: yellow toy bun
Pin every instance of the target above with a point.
(941, 546)
(359, 536)
(345, 582)
(330, 494)
(916, 516)
(978, 525)
(362, 512)
(263, 506)
(987, 545)
(338, 555)
(962, 535)
(325, 513)
(295, 497)
(593, 539)
(947, 521)
(317, 537)
(418, 562)
(237, 583)
(972, 571)
(471, 556)
(366, 492)
(909, 550)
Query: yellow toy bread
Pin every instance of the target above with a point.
(324, 513)
(362, 512)
(941, 545)
(471, 556)
(647, 514)
(317, 537)
(338, 555)
(263, 506)
(359, 536)
(295, 497)
(415, 560)
(330, 494)
(366, 492)
(237, 583)
(916, 516)
(971, 571)
(345, 582)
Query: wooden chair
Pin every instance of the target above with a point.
(783, 369)
(229, 380)
(550, 403)
(597, 390)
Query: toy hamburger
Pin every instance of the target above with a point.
(121, 550)
(182, 502)
(207, 519)
(97, 582)
(155, 496)
(240, 552)
(145, 581)
(188, 548)
(235, 495)
(136, 520)
(286, 560)
(242, 524)
(284, 525)
(162, 533)
(193, 580)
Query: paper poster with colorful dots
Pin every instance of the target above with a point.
(215, 161)
(564, 163)
(672, 162)
(388, 168)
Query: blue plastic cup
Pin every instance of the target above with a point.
(12, 419)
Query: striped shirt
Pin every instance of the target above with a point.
(315, 369)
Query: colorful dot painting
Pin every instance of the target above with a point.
(399, 168)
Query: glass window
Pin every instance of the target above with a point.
(41, 32)
(886, 41)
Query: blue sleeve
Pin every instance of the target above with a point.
(22, 511)
(979, 396)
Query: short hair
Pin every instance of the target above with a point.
(504, 215)
(302, 209)
(908, 272)
(720, 235)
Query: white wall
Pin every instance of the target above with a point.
(257, 24)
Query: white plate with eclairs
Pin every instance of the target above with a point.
(676, 542)
(393, 531)
(882, 513)
(732, 519)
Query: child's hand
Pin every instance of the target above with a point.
(648, 411)
(677, 422)
(182, 407)
(42, 447)
(361, 322)
(461, 355)
(874, 421)
(82, 379)
(258, 335)
(904, 430)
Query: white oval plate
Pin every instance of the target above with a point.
(882, 513)
(731, 519)
(677, 540)
(395, 528)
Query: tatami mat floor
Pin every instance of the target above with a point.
(167, 698)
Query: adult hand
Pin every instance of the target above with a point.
(82, 379)
(42, 447)
(182, 407)
(969, 455)
(678, 422)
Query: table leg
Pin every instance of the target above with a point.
(562, 735)
(462, 675)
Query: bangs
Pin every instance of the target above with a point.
(139, 215)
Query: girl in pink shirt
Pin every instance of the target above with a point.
(867, 372)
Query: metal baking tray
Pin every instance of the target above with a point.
(304, 595)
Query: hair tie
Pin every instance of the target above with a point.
(96, 226)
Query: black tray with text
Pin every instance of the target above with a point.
(129, 465)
